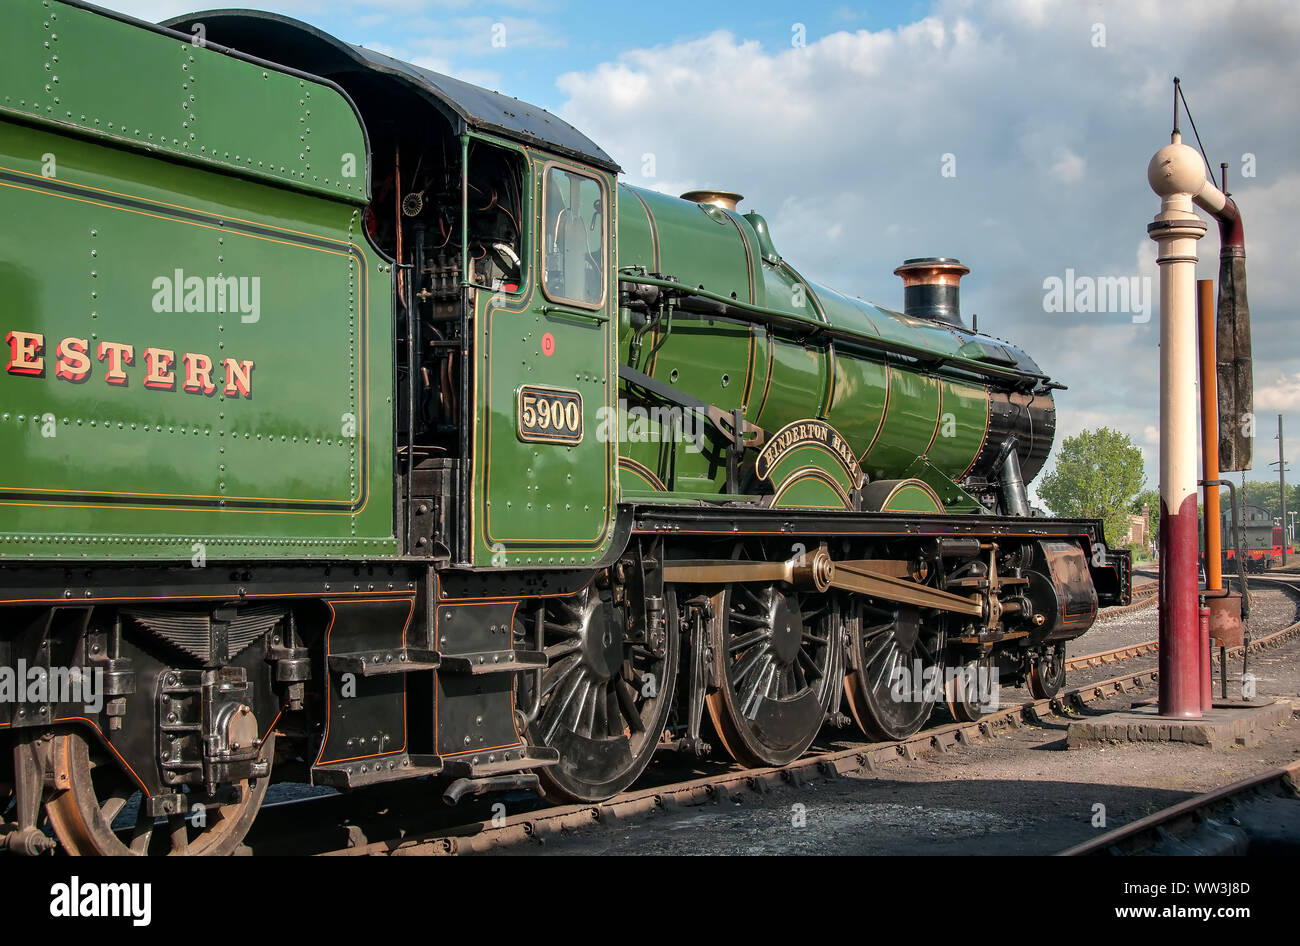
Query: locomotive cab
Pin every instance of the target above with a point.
(497, 216)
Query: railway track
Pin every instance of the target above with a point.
(537, 823)
(1257, 815)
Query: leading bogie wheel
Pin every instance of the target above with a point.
(1047, 672)
(970, 688)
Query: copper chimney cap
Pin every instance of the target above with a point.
(727, 200)
(932, 271)
(932, 288)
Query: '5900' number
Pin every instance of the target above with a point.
(552, 415)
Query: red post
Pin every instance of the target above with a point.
(1207, 679)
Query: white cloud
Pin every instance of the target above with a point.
(840, 144)
(1069, 167)
(1282, 394)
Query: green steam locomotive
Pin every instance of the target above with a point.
(359, 425)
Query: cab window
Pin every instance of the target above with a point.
(573, 206)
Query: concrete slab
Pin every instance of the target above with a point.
(1220, 728)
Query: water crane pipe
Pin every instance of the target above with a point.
(1177, 175)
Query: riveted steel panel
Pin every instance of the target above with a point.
(199, 366)
(125, 82)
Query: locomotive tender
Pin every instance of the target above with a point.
(359, 425)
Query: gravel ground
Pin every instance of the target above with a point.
(1022, 792)
(1116, 630)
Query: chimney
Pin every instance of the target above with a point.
(932, 288)
(727, 200)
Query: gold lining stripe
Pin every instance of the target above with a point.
(812, 473)
(979, 447)
(749, 373)
(938, 416)
(638, 469)
(884, 415)
(771, 370)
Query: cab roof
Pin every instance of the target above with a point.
(290, 42)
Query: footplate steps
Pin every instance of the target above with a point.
(377, 662)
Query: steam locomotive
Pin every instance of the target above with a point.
(358, 425)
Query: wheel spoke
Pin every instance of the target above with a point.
(599, 720)
(756, 683)
(561, 630)
(741, 668)
(742, 641)
(880, 647)
(886, 668)
(808, 666)
(565, 647)
(113, 805)
(613, 712)
(627, 704)
(586, 718)
(749, 620)
(557, 673)
(142, 833)
(559, 704)
(180, 834)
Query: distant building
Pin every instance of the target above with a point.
(1137, 528)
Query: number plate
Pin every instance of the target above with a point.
(550, 415)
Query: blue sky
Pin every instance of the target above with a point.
(1048, 110)
(545, 39)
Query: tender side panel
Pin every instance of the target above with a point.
(118, 81)
(198, 365)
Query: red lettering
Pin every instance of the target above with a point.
(74, 362)
(117, 355)
(158, 369)
(239, 378)
(24, 353)
(198, 374)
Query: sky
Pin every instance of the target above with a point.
(1012, 134)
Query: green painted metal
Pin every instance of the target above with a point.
(289, 454)
(262, 426)
(803, 468)
(544, 503)
(910, 496)
(871, 382)
(963, 424)
(86, 73)
(953, 498)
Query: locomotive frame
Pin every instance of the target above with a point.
(551, 629)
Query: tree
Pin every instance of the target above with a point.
(1096, 476)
